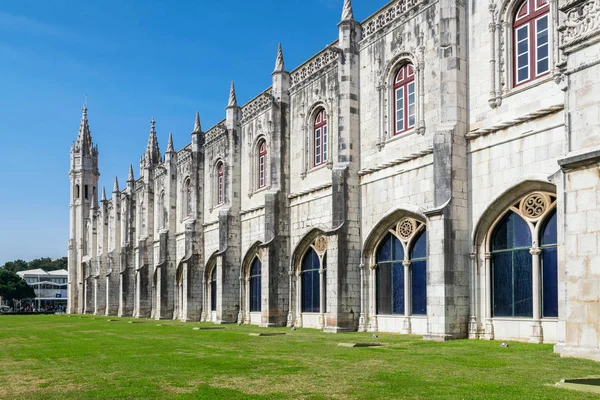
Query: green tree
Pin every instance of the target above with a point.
(16, 266)
(60, 263)
(13, 287)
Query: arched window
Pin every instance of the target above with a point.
(213, 289)
(404, 99)
(311, 284)
(390, 276)
(549, 267)
(512, 268)
(418, 260)
(188, 197)
(220, 184)
(162, 211)
(86, 192)
(255, 285)
(320, 138)
(262, 163)
(77, 191)
(531, 44)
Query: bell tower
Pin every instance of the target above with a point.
(84, 177)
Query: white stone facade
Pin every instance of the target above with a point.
(293, 232)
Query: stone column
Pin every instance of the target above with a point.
(473, 326)
(322, 306)
(298, 300)
(489, 325)
(362, 325)
(537, 335)
(372, 299)
(407, 328)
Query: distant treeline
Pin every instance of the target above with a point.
(45, 263)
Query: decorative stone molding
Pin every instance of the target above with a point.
(307, 191)
(398, 10)
(215, 132)
(314, 65)
(396, 161)
(516, 121)
(406, 228)
(257, 105)
(251, 210)
(582, 22)
(535, 205)
(320, 245)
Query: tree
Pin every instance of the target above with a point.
(16, 266)
(13, 287)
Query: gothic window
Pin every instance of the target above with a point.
(86, 192)
(418, 265)
(311, 281)
(512, 294)
(404, 99)
(188, 197)
(549, 268)
(255, 285)
(320, 138)
(77, 191)
(531, 41)
(213, 289)
(220, 184)
(390, 276)
(262, 163)
(162, 211)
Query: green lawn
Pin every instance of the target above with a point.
(62, 357)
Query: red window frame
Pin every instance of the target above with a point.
(404, 99)
(526, 18)
(262, 163)
(320, 138)
(220, 184)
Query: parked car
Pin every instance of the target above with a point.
(4, 309)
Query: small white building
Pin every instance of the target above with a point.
(50, 287)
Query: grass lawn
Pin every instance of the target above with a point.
(62, 357)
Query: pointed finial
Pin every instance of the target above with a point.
(347, 14)
(279, 64)
(197, 126)
(232, 98)
(152, 156)
(170, 148)
(152, 125)
(116, 187)
(103, 193)
(130, 177)
(84, 110)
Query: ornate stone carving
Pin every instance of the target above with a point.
(321, 244)
(582, 21)
(398, 10)
(258, 104)
(406, 228)
(534, 205)
(216, 132)
(314, 65)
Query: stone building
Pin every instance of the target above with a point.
(434, 170)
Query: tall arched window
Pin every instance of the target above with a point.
(418, 260)
(220, 184)
(262, 163)
(549, 268)
(512, 268)
(404, 99)
(531, 41)
(390, 276)
(77, 191)
(188, 197)
(320, 138)
(311, 284)
(255, 285)
(161, 210)
(213, 289)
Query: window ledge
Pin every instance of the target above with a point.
(256, 191)
(399, 136)
(528, 85)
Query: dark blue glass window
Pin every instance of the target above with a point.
(418, 258)
(213, 290)
(255, 285)
(390, 276)
(549, 268)
(311, 284)
(512, 294)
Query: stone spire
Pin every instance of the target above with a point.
(152, 156)
(232, 98)
(279, 64)
(170, 148)
(197, 126)
(347, 14)
(130, 177)
(116, 187)
(103, 193)
(84, 138)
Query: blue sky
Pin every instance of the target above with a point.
(134, 59)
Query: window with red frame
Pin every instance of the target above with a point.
(320, 138)
(220, 184)
(262, 163)
(404, 99)
(531, 47)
